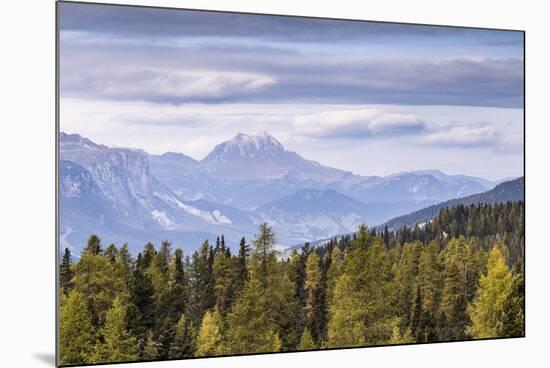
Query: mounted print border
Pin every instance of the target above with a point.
(236, 183)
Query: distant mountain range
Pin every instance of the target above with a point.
(127, 195)
(509, 191)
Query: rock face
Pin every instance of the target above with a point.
(127, 195)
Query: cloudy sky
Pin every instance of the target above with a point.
(372, 98)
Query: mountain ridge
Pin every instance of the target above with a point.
(154, 197)
(512, 190)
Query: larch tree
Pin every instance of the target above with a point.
(95, 279)
(210, 339)
(454, 299)
(495, 287)
(150, 350)
(250, 328)
(429, 293)
(306, 341)
(405, 280)
(77, 338)
(119, 345)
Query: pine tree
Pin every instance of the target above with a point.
(65, 272)
(454, 296)
(306, 341)
(335, 270)
(111, 253)
(315, 312)
(250, 328)
(360, 309)
(429, 293)
(405, 280)
(77, 338)
(210, 340)
(495, 287)
(141, 314)
(264, 252)
(202, 296)
(149, 351)
(296, 270)
(513, 315)
(119, 345)
(399, 337)
(223, 281)
(184, 345)
(95, 278)
(242, 269)
(94, 245)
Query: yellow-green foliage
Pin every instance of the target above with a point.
(119, 345)
(414, 285)
(486, 311)
(210, 341)
(77, 340)
(306, 342)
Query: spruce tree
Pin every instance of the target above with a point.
(143, 310)
(184, 344)
(94, 245)
(65, 272)
(513, 316)
(242, 269)
(202, 283)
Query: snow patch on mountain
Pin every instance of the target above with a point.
(162, 218)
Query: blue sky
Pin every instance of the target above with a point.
(373, 98)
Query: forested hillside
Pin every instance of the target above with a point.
(457, 277)
(508, 191)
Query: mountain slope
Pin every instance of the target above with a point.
(127, 195)
(313, 214)
(111, 191)
(508, 191)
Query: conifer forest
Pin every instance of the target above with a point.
(456, 277)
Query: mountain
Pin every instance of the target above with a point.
(513, 190)
(251, 170)
(128, 195)
(111, 191)
(416, 186)
(261, 156)
(315, 214)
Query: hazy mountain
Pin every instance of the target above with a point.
(513, 190)
(127, 195)
(251, 170)
(315, 214)
(111, 191)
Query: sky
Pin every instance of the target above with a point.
(372, 98)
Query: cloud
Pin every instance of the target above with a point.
(237, 73)
(152, 22)
(287, 59)
(359, 123)
(163, 86)
(464, 136)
